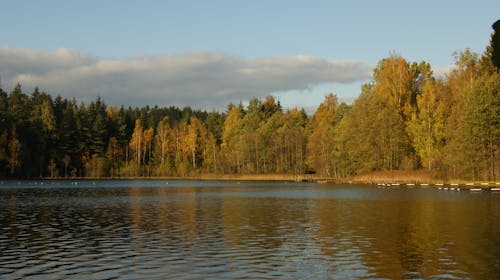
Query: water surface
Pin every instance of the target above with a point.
(155, 229)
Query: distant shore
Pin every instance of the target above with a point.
(375, 178)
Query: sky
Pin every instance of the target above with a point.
(206, 54)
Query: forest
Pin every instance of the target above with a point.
(406, 118)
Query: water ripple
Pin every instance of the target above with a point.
(261, 231)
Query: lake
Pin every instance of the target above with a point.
(157, 229)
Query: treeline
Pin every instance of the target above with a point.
(405, 118)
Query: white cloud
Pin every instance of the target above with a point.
(199, 79)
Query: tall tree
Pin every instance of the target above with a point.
(114, 153)
(231, 146)
(70, 142)
(426, 127)
(250, 139)
(148, 148)
(478, 135)
(371, 135)
(495, 44)
(293, 142)
(163, 131)
(14, 151)
(195, 141)
(393, 82)
(18, 105)
(136, 144)
(460, 82)
(44, 123)
(4, 128)
(320, 145)
(211, 154)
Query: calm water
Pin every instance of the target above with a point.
(194, 229)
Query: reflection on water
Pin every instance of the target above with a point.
(196, 229)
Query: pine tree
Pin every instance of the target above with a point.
(495, 44)
(4, 128)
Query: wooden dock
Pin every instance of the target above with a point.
(444, 186)
(473, 187)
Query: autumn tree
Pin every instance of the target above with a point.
(147, 148)
(269, 143)
(426, 127)
(460, 81)
(272, 154)
(211, 153)
(114, 154)
(404, 118)
(474, 140)
(292, 136)
(14, 158)
(231, 146)
(371, 135)
(136, 144)
(163, 142)
(195, 141)
(393, 81)
(250, 139)
(177, 134)
(321, 145)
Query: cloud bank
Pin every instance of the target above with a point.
(200, 79)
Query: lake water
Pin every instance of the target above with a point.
(155, 229)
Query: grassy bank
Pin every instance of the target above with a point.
(395, 176)
(229, 177)
(407, 177)
(375, 177)
(235, 177)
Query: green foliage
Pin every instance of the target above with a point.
(426, 127)
(321, 142)
(403, 118)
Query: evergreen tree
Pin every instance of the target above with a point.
(4, 128)
(495, 44)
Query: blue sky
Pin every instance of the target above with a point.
(232, 36)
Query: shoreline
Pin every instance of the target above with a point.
(379, 178)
